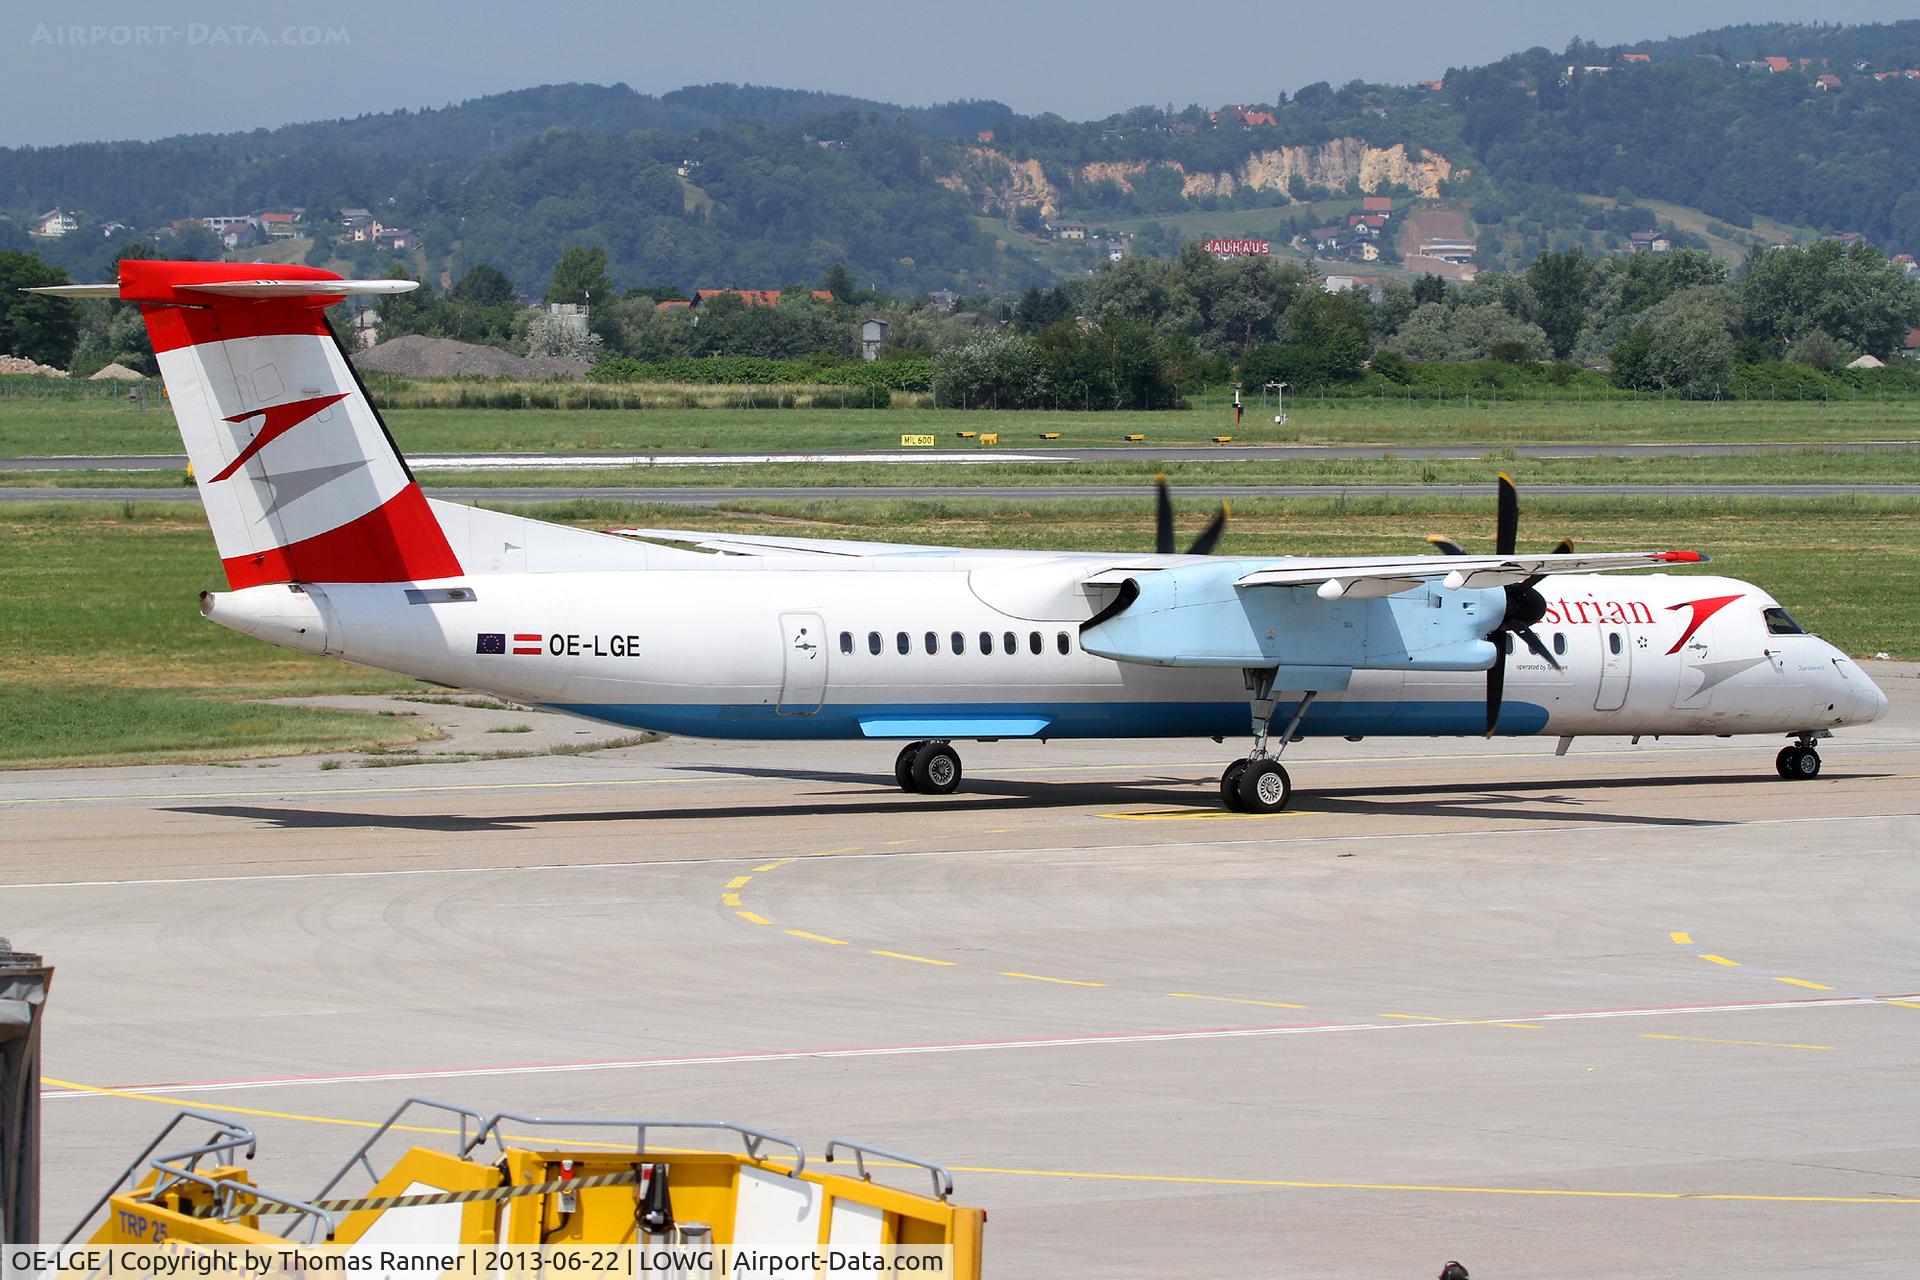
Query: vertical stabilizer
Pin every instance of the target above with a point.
(299, 477)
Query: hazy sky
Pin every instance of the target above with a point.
(79, 70)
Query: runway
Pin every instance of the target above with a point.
(719, 495)
(1641, 1010)
(472, 461)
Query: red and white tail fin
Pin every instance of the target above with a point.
(299, 477)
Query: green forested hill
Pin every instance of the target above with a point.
(778, 185)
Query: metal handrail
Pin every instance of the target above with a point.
(753, 1139)
(227, 1191)
(942, 1180)
(227, 1136)
(359, 1157)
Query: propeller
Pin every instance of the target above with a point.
(1163, 524)
(1525, 604)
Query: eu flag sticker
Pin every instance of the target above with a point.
(490, 642)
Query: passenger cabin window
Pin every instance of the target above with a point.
(1613, 642)
(933, 642)
(1034, 642)
(986, 642)
(846, 642)
(1781, 623)
(959, 639)
(873, 643)
(1560, 644)
(1062, 643)
(903, 642)
(1011, 642)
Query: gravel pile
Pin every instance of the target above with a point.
(117, 372)
(417, 357)
(20, 364)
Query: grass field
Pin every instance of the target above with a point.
(105, 658)
(1811, 466)
(42, 427)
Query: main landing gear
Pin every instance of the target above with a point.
(929, 768)
(1798, 761)
(1259, 784)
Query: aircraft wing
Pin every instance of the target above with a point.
(741, 544)
(1372, 576)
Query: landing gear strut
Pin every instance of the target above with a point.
(1798, 761)
(929, 768)
(1259, 784)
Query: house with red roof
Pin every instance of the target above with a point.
(1636, 57)
(1911, 349)
(1382, 205)
(1776, 65)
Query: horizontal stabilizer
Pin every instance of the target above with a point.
(265, 288)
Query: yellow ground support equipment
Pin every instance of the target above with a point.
(508, 1182)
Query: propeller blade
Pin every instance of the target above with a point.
(1564, 547)
(1210, 536)
(1162, 517)
(1447, 546)
(1496, 685)
(1506, 530)
(1533, 642)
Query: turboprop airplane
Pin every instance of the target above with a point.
(330, 547)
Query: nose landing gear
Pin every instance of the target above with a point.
(1798, 761)
(1259, 784)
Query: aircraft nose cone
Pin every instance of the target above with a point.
(1869, 703)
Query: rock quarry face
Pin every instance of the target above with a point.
(1332, 165)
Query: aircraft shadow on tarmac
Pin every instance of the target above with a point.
(1520, 802)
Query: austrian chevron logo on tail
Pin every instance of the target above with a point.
(280, 419)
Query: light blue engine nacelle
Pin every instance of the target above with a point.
(1196, 616)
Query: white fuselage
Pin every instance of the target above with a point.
(952, 651)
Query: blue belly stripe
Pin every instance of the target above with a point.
(1426, 718)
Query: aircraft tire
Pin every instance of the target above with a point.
(936, 769)
(1265, 787)
(903, 766)
(1783, 763)
(1230, 786)
(1808, 764)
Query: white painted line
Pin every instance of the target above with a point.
(974, 1046)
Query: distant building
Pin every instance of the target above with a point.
(399, 239)
(1251, 119)
(1382, 205)
(1911, 347)
(54, 223)
(1848, 238)
(943, 299)
(1776, 65)
(280, 226)
(1372, 286)
(1649, 242)
(1456, 251)
(1069, 230)
(1827, 82)
(1636, 57)
(571, 314)
(1433, 86)
(873, 334)
(1324, 237)
(985, 135)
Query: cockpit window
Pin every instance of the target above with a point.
(1781, 623)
